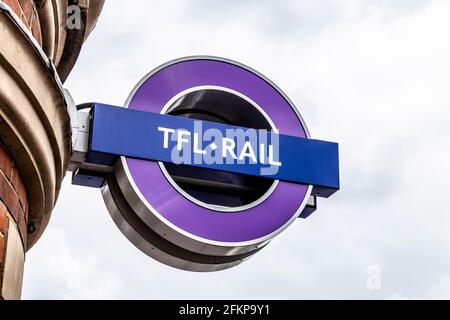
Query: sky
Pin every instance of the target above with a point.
(371, 75)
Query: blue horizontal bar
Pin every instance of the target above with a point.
(119, 131)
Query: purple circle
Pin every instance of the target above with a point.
(247, 225)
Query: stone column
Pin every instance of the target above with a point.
(13, 227)
(37, 52)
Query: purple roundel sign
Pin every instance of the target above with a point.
(195, 218)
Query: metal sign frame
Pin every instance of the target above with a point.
(126, 153)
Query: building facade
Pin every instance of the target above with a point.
(40, 41)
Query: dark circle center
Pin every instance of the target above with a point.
(211, 187)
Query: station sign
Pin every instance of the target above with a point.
(205, 164)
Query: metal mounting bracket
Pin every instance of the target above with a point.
(83, 173)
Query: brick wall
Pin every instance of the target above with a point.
(13, 196)
(3, 232)
(26, 11)
(13, 207)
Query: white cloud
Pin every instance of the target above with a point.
(60, 273)
(372, 75)
(441, 290)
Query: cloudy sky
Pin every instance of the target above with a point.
(371, 75)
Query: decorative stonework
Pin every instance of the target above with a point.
(35, 135)
(27, 12)
(13, 196)
(47, 21)
(13, 226)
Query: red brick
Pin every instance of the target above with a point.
(14, 5)
(24, 20)
(15, 178)
(32, 18)
(23, 229)
(26, 213)
(5, 163)
(9, 197)
(37, 30)
(22, 194)
(27, 8)
(3, 218)
(18, 186)
(2, 248)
